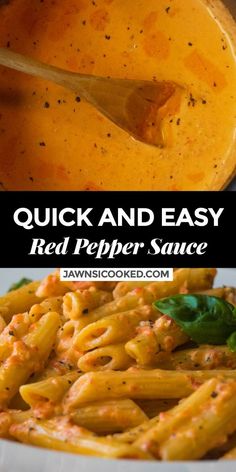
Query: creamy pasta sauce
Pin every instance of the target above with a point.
(50, 139)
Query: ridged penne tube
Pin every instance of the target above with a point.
(109, 417)
(113, 357)
(231, 455)
(210, 425)
(52, 389)
(167, 423)
(203, 357)
(42, 334)
(188, 279)
(165, 335)
(49, 304)
(113, 329)
(19, 301)
(138, 384)
(7, 418)
(76, 304)
(28, 356)
(143, 347)
(15, 330)
(128, 302)
(133, 300)
(66, 335)
(60, 434)
(56, 366)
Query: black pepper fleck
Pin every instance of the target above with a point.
(214, 395)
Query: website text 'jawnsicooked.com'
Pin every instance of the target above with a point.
(116, 274)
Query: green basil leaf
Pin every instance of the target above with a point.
(205, 319)
(19, 284)
(231, 342)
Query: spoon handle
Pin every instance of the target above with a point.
(74, 81)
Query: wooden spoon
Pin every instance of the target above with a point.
(137, 106)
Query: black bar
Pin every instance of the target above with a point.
(16, 242)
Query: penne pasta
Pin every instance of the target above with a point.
(143, 348)
(164, 335)
(113, 329)
(208, 427)
(113, 357)
(202, 357)
(66, 336)
(49, 304)
(79, 303)
(28, 356)
(220, 292)
(188, 280)
(60, 434)
(122, 288)
(7, 418)
(18, 301)
(18, 327)
(130, 301)
(170, 422)
(52, 286)
(138, 384)
(130, 436)
(51, 389)
(109, 416)
(168, 334)
(86, 373)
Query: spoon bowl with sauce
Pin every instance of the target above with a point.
(137, 106)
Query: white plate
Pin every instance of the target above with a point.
(16, 457)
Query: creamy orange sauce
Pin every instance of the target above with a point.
(49, 139)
